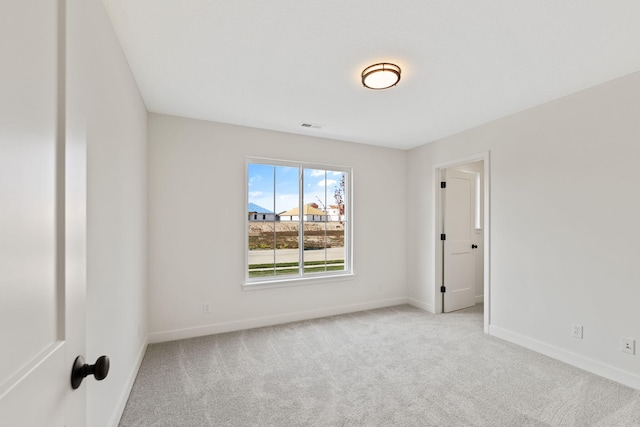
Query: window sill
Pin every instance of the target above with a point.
(298, 281)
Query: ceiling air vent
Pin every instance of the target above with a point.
(310, 125)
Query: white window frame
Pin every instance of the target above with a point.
(301, 277)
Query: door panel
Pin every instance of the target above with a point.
(38, 396)
(34, 361)
(459, 260)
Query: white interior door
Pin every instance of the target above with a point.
(42, 181)
(459, 259)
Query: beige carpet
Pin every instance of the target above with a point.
(397, 366)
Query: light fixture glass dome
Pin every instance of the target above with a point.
(381, 76)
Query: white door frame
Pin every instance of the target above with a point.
(437, 221)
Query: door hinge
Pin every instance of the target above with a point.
(443, 184)
(443, 237)
(443, 289)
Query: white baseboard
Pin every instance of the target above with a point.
(122, 402)
(422, 305)
(602, 369)
(258, 322)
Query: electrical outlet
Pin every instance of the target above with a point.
(576, 330)
(206, 308)
(628, 345)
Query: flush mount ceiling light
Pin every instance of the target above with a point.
(381, 76)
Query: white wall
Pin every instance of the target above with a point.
(116, 219)
(196, 232)
(564, 224)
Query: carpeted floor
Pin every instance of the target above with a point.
(396, 366)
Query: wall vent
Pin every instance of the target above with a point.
(310, 125)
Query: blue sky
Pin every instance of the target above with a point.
(316, 183)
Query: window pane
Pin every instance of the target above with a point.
(315, 189)
(261, 220)
(335, 245)
(337, 224)
(314, 219)
(314, 246)
(287, 254)
(324, 222)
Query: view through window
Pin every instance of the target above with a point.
(297, 219)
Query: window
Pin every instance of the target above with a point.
(305, 231)
(478, 204)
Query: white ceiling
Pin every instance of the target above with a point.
(274, 64)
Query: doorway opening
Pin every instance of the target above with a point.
(461, 228)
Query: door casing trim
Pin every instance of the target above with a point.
(437, 226)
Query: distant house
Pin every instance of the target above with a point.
(333, 213)
(258, 213)
(310, 213)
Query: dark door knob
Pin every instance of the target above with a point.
(474, 246)
(80, 370)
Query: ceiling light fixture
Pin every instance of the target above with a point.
(381, 76)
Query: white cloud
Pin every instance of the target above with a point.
(327, 182)
(253, 194)
(316, 173)
(255, 179)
